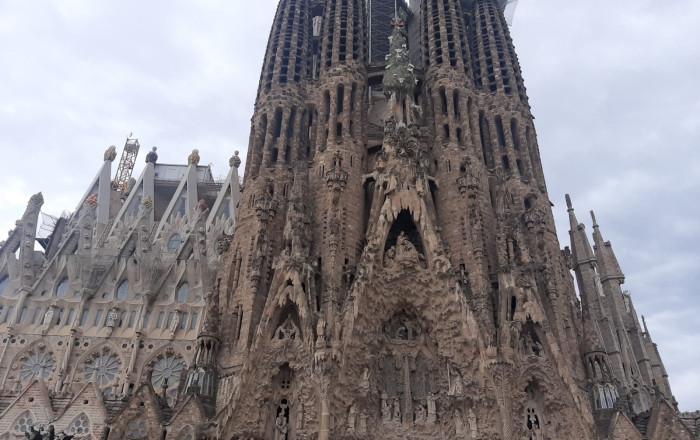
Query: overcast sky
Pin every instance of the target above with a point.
(613, 84)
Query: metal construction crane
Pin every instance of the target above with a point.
(126, 165)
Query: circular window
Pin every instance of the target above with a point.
(102, 370)
(37, 365)
(4, 281)
(174, 243)
(168, 369)
(182, 292)
(123, 289)
(62, 288)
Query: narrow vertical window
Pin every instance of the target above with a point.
(98, 319)
(193, 321)
(83, 319)
(159, 323)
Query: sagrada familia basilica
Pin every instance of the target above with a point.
(388, 269)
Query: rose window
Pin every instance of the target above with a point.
(79, 426)
(39, 365)
(102, 370)
(168, 369)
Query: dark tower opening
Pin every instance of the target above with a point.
(404, 225)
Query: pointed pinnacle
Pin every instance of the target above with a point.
(595, 222)
(568, 203)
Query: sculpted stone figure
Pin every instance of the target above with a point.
(432, 409)
(281, 426)
(386, 410)
(473, 428)
(352, 418)
(174, 323)
(48, 317)
(397, 411)
(112, 318)
(420, 414)
(459, 424)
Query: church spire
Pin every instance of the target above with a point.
(580, 246)
(607, 262)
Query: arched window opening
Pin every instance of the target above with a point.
(446, 131)
(174, 243)
(443, 101)
(274, 155)
(501, 133)
(22, 423)
(513, 307)
(327, 104)
(136, 429)
(455, 102)
(341, 99)
(182, 292)
(339, 130)
(278, 123)
(404, 229)
(79, 426)
(506, 163)
(486, 146)
(122, 290)
(514, 133)
(62, 288)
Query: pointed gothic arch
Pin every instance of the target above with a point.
(22, 423)
(100, 365)
(37, 354)
(80, 427)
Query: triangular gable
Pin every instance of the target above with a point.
(34, 398)
(191, 412)
(664, 423)
(622, 428)
(144, 404)
(89, 401)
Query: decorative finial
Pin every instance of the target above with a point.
(568, 203)
(202, 205)
(235, 161)
(152, 156)
(147, 203)
(110, 153)
(595, 222)
(193, 158)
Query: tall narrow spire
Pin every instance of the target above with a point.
(607, 262)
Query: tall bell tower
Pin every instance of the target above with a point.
(395, 271)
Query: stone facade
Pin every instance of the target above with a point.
(394, 270)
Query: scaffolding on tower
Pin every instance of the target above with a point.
(126, 165)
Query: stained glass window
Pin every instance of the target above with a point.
(182, 292)
(79, 426)
(102, 370)
(23, 422)
(123, 289)
(39, 365)
(169, 368)
(174, 243)
(136, 429)
(62, 288)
